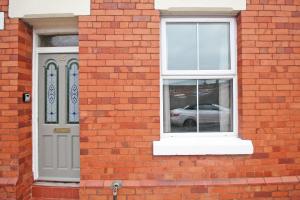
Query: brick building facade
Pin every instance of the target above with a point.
(119, 58)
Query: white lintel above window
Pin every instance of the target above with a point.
(48, 8)
(204, 6)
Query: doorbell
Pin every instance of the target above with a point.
(26, 97)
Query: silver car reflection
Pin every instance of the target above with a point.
(208, 113)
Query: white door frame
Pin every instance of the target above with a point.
(35, 56)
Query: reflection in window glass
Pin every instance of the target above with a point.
(214, 107)
(180, 99)
(182, 46)
(213, 46)
(198, 46)
(58, 40)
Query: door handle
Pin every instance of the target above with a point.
(62, 130)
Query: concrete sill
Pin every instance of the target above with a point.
(202, 146)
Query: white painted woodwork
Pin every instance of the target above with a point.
(202, 146)
(1, 20)
(48, 8)
(205, 6)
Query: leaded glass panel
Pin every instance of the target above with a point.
(73, 91)
(51, 92)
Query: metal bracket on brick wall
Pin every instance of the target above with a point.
(1, 20)
(115, 186)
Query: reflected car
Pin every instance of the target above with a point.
(208, 113)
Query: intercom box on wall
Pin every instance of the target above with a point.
(26, 97)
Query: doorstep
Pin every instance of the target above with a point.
(55, 190)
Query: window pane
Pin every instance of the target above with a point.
(73, 91)
(58, 40)
(182, 46)
(215, 105)
(214, 46)
(180, 99)
(51, 92)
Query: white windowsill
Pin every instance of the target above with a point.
(202, 146)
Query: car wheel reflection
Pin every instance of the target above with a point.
(189, 123)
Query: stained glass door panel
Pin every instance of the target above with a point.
(73, 91)
(51, 91)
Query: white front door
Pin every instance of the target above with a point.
(58, 121)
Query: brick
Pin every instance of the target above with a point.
(262, 194)
(199, 189)
(141, 18)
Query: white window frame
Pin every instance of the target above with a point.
(233, 54)
(230, 74)
(209, 143)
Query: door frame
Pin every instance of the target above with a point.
(35, 56)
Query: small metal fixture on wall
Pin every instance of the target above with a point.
(115, 186)
(1, 20)
(26, 97)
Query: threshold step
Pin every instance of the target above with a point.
(53, 190)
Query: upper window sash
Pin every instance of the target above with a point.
(232, 46)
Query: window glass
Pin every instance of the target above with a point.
(182, 46)
(58, 40)
(51, 92)
(198, 46)
(180, 100)
(214, 105)
(73, 91)
(213, 46)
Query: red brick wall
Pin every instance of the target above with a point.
(24, 111)
(119, 90)
(119, 84)
(218, 192)
(270, 86)
(7, 192)
(15, 116)
(9, 97)
(269, 74)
